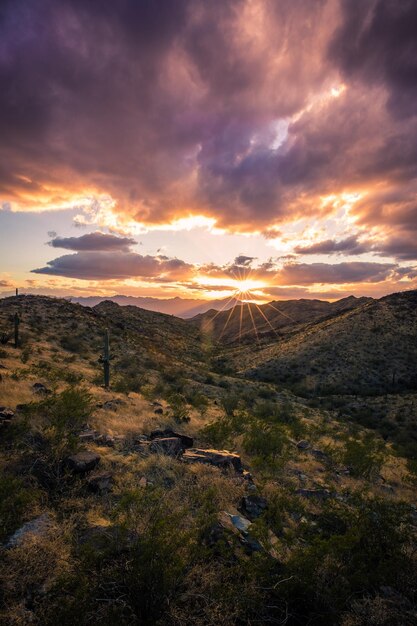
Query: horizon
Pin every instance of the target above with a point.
(198, 151)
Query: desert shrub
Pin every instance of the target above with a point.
(230, 403)
(364, 456)
(263, 440)
(60, 417)
(178, 405)
(368, 550)
(73, 343)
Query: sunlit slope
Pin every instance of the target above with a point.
(249, 322)
(369, 349)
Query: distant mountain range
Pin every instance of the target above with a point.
(180, 307)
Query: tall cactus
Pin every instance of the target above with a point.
(16, 330)
(106, 360)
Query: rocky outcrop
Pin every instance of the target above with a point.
(171, 446)
(37, 527)
(253, 506)
(187, 442)
(83, 462)
(219, 458)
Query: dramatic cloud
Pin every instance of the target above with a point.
(305, 274)
(247, 115)
(101, 265)
(93, 241)
(350, 245)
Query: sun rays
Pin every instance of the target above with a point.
(243, 301)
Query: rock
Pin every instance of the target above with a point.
(143, 482)
(6, 414)
(40, 389)
(321, 494)
(88, 435)
(219, 458)
(239, 522)
(171, 446)
(113, 404)
(101, 483)
(303, 444)
(319, 454)
(253, 506)
(158, 411)
(83, 462)
(186, 441)
(22, 408)
(39, 526)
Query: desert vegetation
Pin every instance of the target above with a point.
(192, 491)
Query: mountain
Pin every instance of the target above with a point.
(371, 348)
(181, 307)
(248, 322)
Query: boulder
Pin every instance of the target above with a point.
(186, 441)
(5, 414)
(171, 446)
(253, 506)
(83, 462)
(39, 526)
(219, 458)
(319, 454)
(101, 483)
(303, 444)
(320, 494)
(40, 389)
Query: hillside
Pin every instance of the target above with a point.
(371, 348)
(186, 495)
(250, 322)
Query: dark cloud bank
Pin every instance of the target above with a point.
(214, 107)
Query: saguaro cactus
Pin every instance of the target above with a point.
(16, 330)
(106, 359)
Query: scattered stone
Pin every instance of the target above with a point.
(321, 494)
(253, 506)
(171, 446)
(88, 435)
(158, 411)
(240, 522)
(143, 482)
(83, 462)
(40, 389)
(21, 408)
(319, 454)
(101, 483)
(303, 444)
(113, 404)
(5, 414)
(39, 526)
(344, 471)
(219, 458)
(186, 441)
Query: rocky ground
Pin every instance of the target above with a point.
(193, 497)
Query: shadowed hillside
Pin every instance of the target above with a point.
(250, 322)
(369, 349)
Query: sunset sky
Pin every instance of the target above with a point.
(179, 147)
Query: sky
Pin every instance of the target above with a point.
(201, 149)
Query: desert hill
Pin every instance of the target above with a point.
(248, 322)
(371, 348)
(188, 492)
